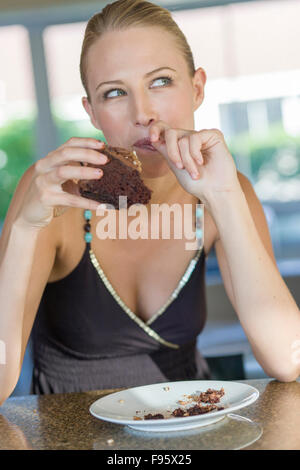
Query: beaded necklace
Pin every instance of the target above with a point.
(145, 325)
(199, 226)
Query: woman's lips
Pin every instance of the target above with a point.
(145, 144)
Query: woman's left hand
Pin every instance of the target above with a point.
(204, 153)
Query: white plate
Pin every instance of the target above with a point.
(121, 407)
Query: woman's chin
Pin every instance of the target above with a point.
(155, 171)
(154, 164)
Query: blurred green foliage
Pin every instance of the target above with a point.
(264, 151)
(16, 149)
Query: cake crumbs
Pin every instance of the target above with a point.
(154, 416)
(210, 398)
(181, 402)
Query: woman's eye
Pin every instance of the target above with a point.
(158, 82)
(113, 93)
(162, 81)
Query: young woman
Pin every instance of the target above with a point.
(123, 312)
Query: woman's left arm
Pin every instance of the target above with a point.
(266, 309)
(262, 301)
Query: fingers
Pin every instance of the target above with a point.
(183, 147)
(68, 154)
(53, 192)
(52, 185)
(157, 131)
(187, 159)
(76, 149)
(195, 146)
(87, 142)
(173, 149)
(61, 174)
(70, 200)
(184, 150)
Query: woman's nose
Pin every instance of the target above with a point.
(143, 112)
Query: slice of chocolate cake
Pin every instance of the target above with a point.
(121, 177)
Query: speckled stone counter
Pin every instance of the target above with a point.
(63, 421)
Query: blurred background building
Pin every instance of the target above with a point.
(250, 52)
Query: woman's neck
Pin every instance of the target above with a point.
(165, 189)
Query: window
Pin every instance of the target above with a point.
(62, 48)
(253, 96)
(17, 111)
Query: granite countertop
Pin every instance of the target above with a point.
(63, 421)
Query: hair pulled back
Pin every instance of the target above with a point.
(123, 14)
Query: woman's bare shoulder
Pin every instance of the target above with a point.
(52, 237)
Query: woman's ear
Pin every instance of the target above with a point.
(88, 107)
(199, 81)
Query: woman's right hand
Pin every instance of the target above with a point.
(52, 186)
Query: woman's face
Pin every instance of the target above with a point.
(136, 77)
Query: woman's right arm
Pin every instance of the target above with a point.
(28, 245)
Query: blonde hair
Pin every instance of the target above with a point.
(123, 14)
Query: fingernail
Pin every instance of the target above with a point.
(195, 175)
(179, 165)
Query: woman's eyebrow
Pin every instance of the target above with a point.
(119, 82)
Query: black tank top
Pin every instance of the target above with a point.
(85, 338)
